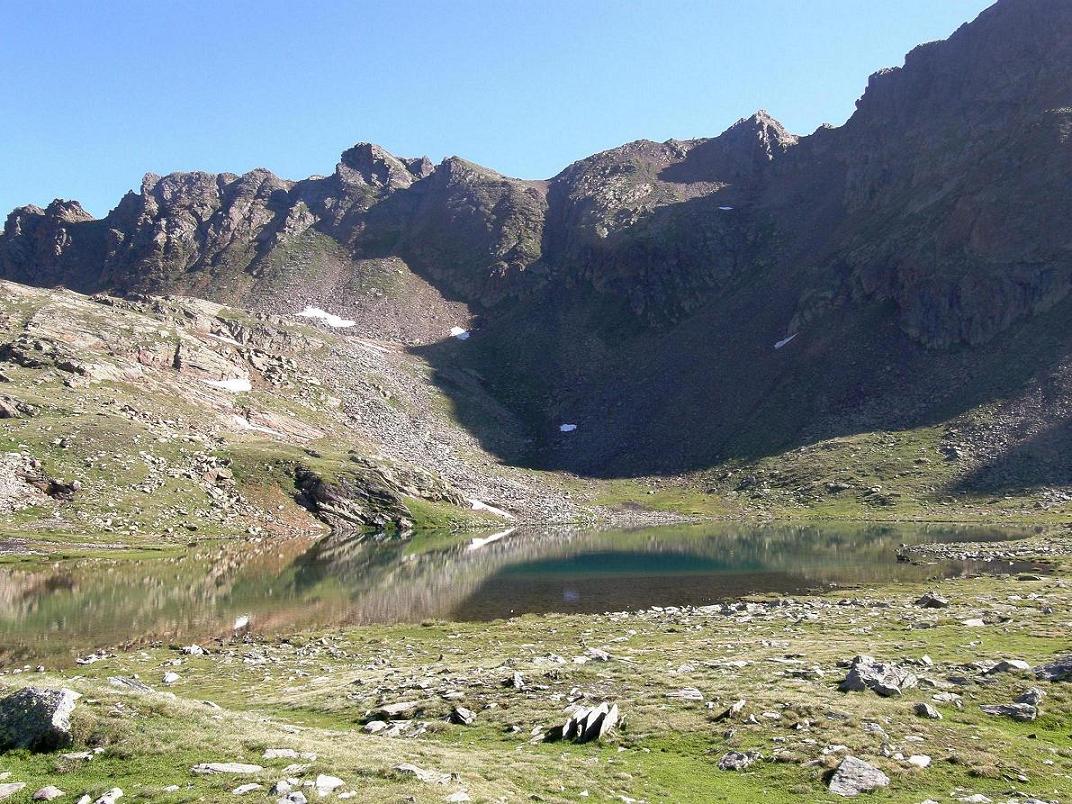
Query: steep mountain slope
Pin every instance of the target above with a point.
(689, 303)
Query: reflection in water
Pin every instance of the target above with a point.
(69, 608)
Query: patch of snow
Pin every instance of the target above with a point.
(478, 505)
(225, 339)
(459, 333)
(476, 544)
(328, 318)
(725, 209)
(237, 385)
(567, 428)
(784, 341)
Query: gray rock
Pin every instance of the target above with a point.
(585, 725)
(932, 600)
(923, 709)
(1017, 711)
(48, 793)
(7, 790)
(1060, 669)
(854, 776)
(426, 776)
(884, 678)
(736, 760)
(398, 710)
(36, 718)
(207, 768)
(297, 797)
(462, 716)
(1032, 696)
(686, 694)
(732, 710)
(1008, 666)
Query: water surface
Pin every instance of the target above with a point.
(56, 612)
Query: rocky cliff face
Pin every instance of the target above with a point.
(937, 216)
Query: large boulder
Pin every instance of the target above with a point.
(36, 718)
(854, 776)
(884, 678)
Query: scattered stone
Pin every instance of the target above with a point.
(205, 768)
(132, 684)
(686, 694)
(1017, 711)
(919, 760)
(36, 718)
(242, 789)
(426, 776)
(457, 798)
(1032, 696)
(585, 725)
(397, 710)
(325, 784)
(193, 650)
(517, 681)
(932, 600)
(111, 796)
(1008, 665)
(733, 710)
(296, 797)
(171, 677)
(854, 776)
(8, 789)
(974, 622)
(885, 679)
(923, 709)
(737, 760)
(1060, 669)
(462, 716)
(48, 793)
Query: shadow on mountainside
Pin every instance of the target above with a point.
(713, 388)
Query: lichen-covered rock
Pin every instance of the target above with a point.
(36, 718)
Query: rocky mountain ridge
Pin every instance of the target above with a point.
(931, 229)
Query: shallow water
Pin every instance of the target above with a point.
(54, 613)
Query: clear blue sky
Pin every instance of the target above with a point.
(97, 93)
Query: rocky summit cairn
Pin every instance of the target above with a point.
(884, 678)
(854, 776)
(36, 718)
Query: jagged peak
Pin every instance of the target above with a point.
(374, 165)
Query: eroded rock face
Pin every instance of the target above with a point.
(36, 718)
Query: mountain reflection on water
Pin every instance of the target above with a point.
(68, 608)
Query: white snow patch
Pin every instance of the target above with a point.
(241, 621)
(459, 333)
(478, 505)
(328, 318)
(476, 544)
(225, 339)
(567, 428)
(725, 209)
(784, 341)
(237, 385)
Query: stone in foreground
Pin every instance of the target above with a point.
(48, 793)
(10, 788)
(1060, 669)
(36, 718)
(854, 776)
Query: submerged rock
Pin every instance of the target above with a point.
(36, 718)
